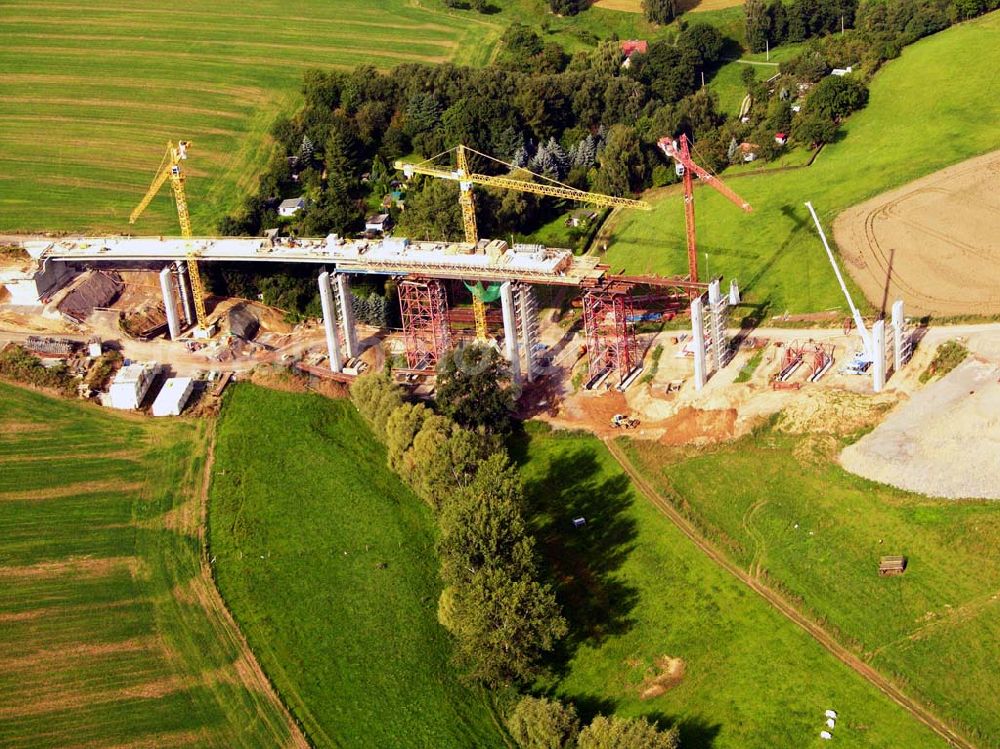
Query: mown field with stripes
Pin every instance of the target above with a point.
(90, 94)
(111, 632)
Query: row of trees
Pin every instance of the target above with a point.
(503, 617)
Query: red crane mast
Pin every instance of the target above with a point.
(681, 154)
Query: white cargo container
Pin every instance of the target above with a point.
(173, 396)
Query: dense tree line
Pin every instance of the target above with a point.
(503, 616)
(576, 119)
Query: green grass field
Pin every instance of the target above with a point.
(922, 116)
(635, 589)
(328, 564)
(107, 635)
(89, 95)
(780, 503)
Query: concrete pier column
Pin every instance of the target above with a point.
(698, 339)
(170, 302)
(528, 313)
(715, 292)
(878, 356)
(187, 298)
(734, 292)
(329, 321)
(347, 322)
(510, 331)
(897, 335)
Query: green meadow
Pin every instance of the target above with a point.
(926, 111)
(636, 592)
(781, 507)
(327, 561)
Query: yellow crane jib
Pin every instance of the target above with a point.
(170, 169)
(466, 178)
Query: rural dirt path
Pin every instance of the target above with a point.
(823, 637)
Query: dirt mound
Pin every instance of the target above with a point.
(694, 426)
(932, 242)
(665, 673)
(834, 411)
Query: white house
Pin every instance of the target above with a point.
(291, 206)
(131, 385)
(173, 396)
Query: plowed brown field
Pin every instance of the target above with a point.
(935, 243)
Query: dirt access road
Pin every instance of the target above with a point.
(935, 243)
(823, 637)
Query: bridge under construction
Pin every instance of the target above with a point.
(423, 267)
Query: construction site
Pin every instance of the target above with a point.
(595, 336)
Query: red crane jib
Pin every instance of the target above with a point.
(681, 153)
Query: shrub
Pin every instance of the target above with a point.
(540, 723)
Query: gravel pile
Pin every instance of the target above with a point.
(945, 442)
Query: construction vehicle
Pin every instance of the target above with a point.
(624, 421)
(170, 169)
(680, 152)
(466, 178)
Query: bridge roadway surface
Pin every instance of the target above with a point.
(489, 261)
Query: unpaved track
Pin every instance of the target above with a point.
(935, 242)
(824, 638)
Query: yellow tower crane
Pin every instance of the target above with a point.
(466, 178)
(170, 168)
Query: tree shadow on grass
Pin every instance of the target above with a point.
(583, 561)
(696, 732)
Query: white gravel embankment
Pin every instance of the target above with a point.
(944, 442)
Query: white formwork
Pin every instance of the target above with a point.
(173, 396)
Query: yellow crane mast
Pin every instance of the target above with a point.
(170, 169)
(466, 178)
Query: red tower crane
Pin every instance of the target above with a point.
(681, 154)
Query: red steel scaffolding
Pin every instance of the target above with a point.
(611, 344)
(423, 306)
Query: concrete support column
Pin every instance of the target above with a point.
(897, 335)
(528, 314)
(698, 339)
(187, 297)
(878, 356)
(510, 331)
(329, 321)
(734, 293)
(347, 322)
(715, 292)
(169, 302)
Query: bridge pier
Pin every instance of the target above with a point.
(330, 322)
(187, 298)
(347, 322)
(170, 302)
(698, 340)
(510, 331)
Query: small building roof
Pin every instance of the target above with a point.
(377, 218)
(172, 396)
(631, 46)
(298, 202)
(132, 373)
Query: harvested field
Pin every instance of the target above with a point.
(935, 242)
(102, 641)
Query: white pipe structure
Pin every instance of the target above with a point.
(510, 331)
(169, 302)
(347, 322)
(866, 338)
(698, 338)
(878, 363)
(329, 322)
(898, 322)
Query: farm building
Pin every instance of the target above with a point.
(173, 396)
(581, 217)
(291, 206)
(131, 385)
(379, 222)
